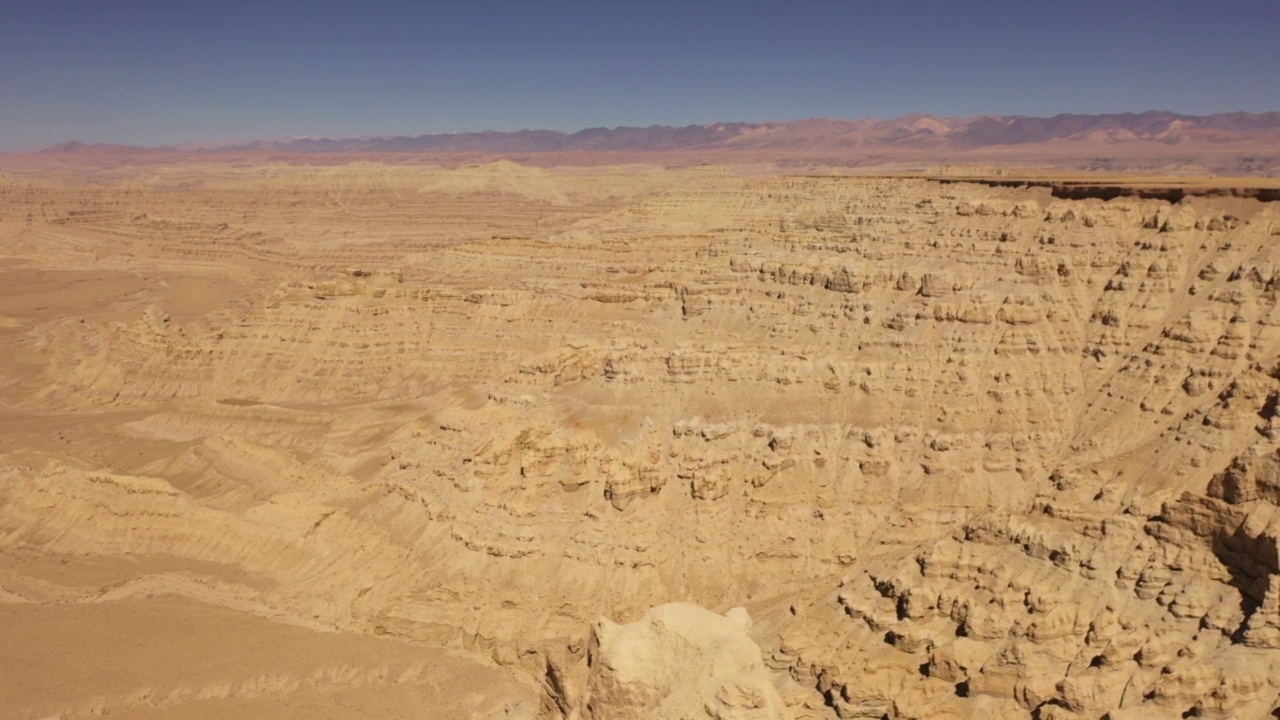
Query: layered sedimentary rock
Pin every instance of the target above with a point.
(961, 450)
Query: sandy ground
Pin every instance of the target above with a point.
(168, 656)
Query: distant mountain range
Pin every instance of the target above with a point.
(912, 132)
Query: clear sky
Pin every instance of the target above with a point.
(151, 73)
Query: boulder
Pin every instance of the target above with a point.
(679, 661)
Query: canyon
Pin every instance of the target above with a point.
(498, 440)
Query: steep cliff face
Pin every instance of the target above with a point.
(960, 449)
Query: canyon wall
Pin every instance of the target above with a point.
(959, 449)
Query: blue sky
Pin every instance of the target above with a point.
(151, 73)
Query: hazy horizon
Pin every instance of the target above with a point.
(232, 142)
(159, 74)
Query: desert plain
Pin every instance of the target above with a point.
(494, 440)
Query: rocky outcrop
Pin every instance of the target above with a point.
(679, 661)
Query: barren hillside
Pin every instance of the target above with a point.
(388, 441)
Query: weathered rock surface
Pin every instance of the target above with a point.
(679, 661)
(962, 451)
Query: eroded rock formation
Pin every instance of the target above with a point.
(961, 450)
(679, 661)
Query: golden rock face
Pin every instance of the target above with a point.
(961, 449)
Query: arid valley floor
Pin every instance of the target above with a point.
(385, 440)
